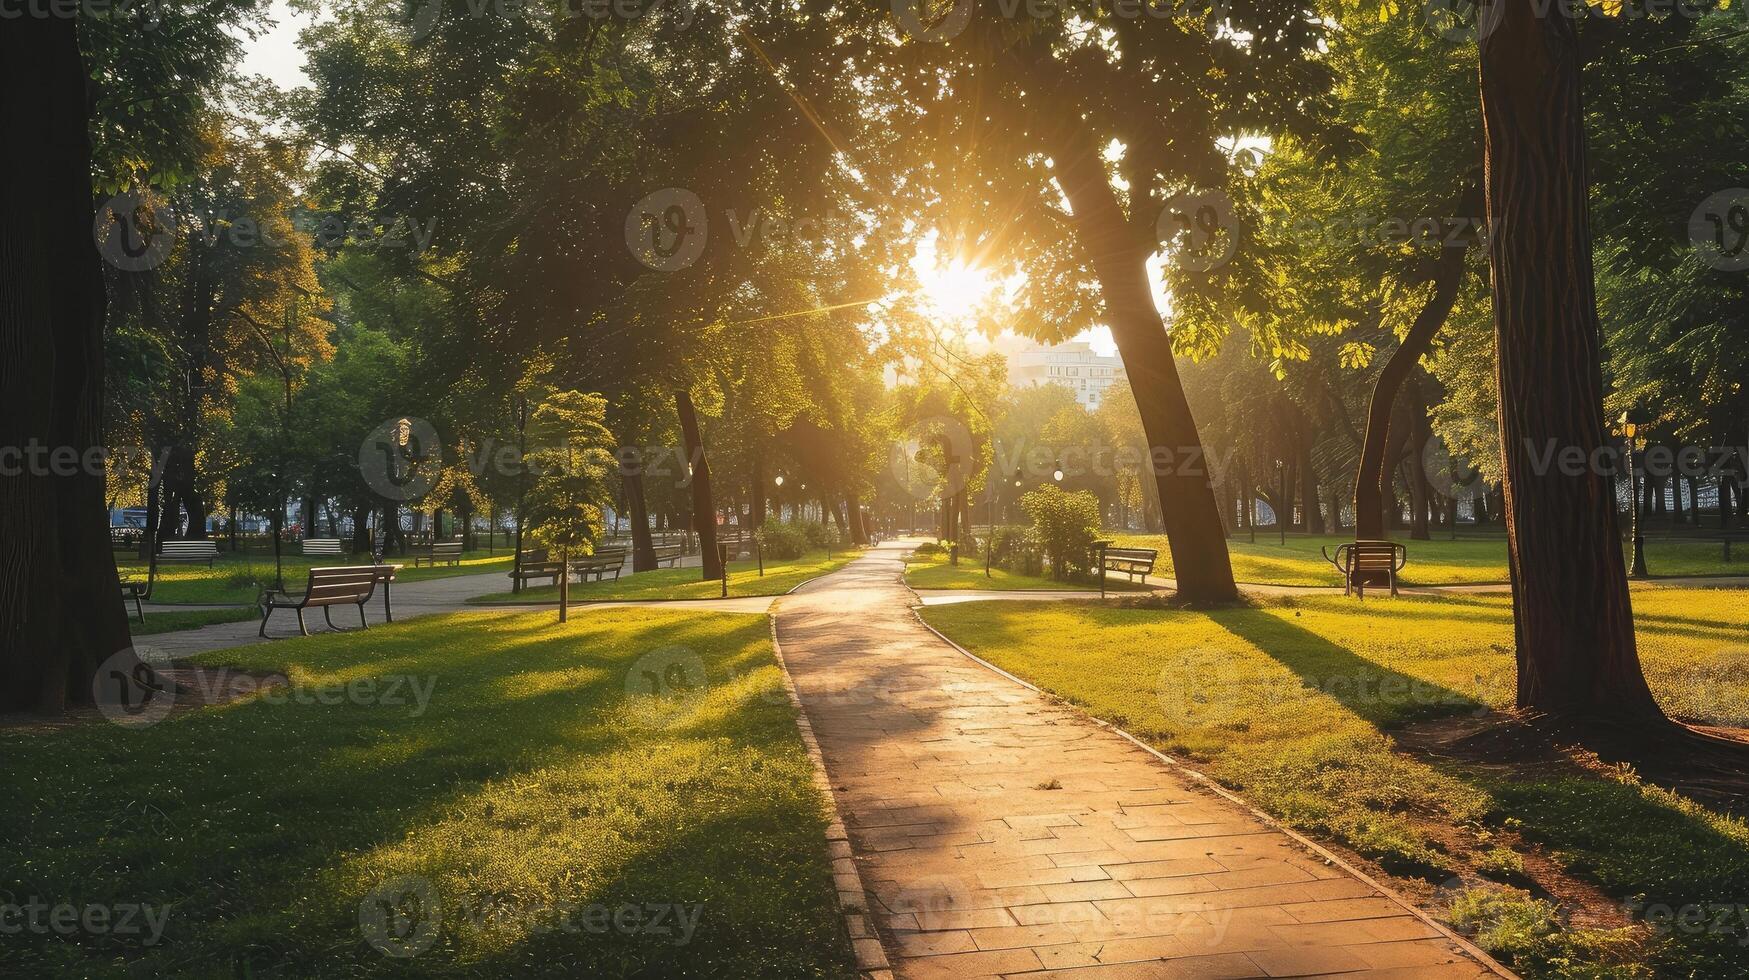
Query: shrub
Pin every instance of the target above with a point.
(1066, 525)
(929, 548)
(1014, 548)
(783, 540)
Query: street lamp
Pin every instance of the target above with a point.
(1057, 473)
(1631, 431)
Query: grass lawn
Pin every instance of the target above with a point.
(933, 572)
(190, 619)
(1301, 706)
(684, 583)
(1439, 562)
(240, 578)
(510, 800)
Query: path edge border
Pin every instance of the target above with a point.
(865, 941)
(1209, 783)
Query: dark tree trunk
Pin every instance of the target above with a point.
(360, 530)
(638, 516)
(1119, 261)
(704, 512)
(858, 533)
(59, 616)
(1372, 482)
(1314, 519)
(1574, 624)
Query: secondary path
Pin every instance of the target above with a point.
(1001, 834)
(411, 600)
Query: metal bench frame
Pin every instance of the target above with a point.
(448, 552)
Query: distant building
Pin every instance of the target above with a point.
(1074, 365)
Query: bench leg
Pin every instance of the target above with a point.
(138, 610)
(266, 611)
(388, 610)
(301, 627)
(363, 623)
(329, 618)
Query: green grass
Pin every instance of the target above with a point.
(538, 776)
(240, 578)
(685, 583)
(933, 572)
(1467, 560)
(1293, 704)
(189, 619)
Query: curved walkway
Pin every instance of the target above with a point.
(1000, 833)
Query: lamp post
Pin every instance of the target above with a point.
(521, 481)
(1630, 431)
(1281, 512)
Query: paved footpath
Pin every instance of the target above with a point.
(1119, 869)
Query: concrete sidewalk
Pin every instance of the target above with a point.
(999, 833)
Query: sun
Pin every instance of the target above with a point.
(955, 290)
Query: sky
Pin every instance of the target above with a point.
(275, 54)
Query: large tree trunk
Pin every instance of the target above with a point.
(638, 516)
(1119, 260)
(1575, 633)
(1314, 518)
(1372, 481)
(60, 618)
(858, 533)
(704, 512)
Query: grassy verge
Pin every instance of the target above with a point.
(240, 578)
(192, 619)
(518, 784)
(933, 572)
(1466, 560)
(684, 583)
(1301, 705)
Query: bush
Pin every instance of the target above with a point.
(818, 534)
(929, 548)
(783, 540)
(1066, 524)
(1015, 548)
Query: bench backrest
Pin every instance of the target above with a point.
(386, 573)
(348, 584)
(667, 551)
(188, 549)
(1371, 556)
(1132, 554)
(447, 548)
(321, 546)
(603, 556)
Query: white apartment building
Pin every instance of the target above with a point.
(1074, 365)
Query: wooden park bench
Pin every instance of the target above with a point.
(669, 555)
(536, 564)
(203, 552)
(322, 546)
(599, 564)
(131, 589)
(448, 552)
(1364, 562)
(326, 588)
(1725, 538)
(1133, 562)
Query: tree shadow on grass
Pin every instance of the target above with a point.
(246, 818)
